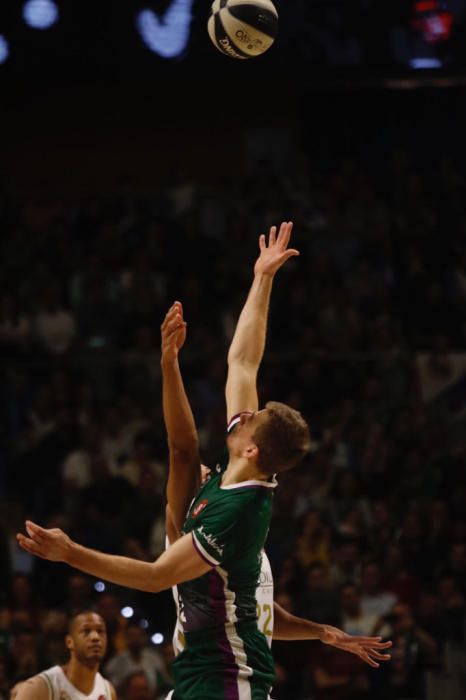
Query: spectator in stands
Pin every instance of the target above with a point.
(413, 651)
(318, 601)
(24, 659)
(313, 545)
(136, 687)
(375, 599)
(15, 326)
(137, 657)
(54, 325)
(79, 594)
(354, 620)
(346, 562)
(338, 677)
(108, 607)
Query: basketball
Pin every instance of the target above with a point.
(243, 28)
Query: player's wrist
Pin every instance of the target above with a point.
(169, 362)
(318, 631)
(264, 274)
(71, 553)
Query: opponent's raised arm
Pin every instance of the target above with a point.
(184, 462)
(181, 562)
(247, 347)
(291, 628)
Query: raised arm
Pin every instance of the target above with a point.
(291, 628)
(181, 562)
(184, 462)
(247, 347)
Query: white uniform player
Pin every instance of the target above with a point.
(79, 678)
(60, 688)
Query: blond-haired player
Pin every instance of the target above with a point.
(216, 557)
(186, 475)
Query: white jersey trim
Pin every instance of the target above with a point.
(251, 482)
(235, 641)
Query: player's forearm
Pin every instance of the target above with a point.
(291, 628)
(179, 419)
(248, 341)
(122, 571)
(184, 471)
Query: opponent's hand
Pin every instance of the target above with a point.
(367, 648)
(173, 332)
(276, 253)
(52, 544)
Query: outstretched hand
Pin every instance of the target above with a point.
(173, 332)
(275, 254)
(367, 648)
(52, 544)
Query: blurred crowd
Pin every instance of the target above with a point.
(369, 535)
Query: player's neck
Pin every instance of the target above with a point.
(81, 676)
(239, 470)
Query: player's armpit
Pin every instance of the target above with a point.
(33, 689)
(113, 691)
(173, 533)
(180, 563)
(241, 388)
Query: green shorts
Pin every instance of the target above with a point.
(227, 663)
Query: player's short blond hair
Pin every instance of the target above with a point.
(283, 439)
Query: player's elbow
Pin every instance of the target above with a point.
(151, 586)
(159, 579)
(244, 361)
(236, 356)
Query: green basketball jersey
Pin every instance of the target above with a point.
(226, 656)
(229, 526)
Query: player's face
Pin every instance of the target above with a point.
(243, 434)
(88, 639)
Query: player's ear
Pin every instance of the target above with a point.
(69, 642)
(251, 451)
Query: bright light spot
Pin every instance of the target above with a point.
(167, 35)
(425, 63)
(157, 638)
(40, 14)
(99, 586)
(144, 624)
(4, 49)
(127, 611)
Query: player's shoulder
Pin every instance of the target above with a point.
(243, 500)
(224, 503)
(35, 688)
